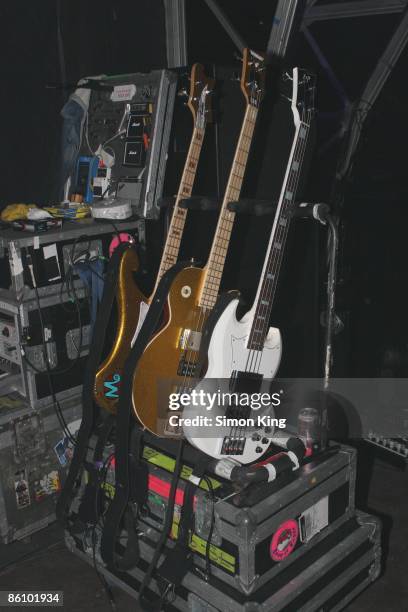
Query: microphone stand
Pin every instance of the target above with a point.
(321, 212)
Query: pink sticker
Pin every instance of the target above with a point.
(117, 240)
(284, 540)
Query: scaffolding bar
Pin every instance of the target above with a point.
(373, 89)
(282, 27)
(176, 33)
(226, 24)
(344, 10)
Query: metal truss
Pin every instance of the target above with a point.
(344, 10)
(176, 33)
(286, 18)
(356, 112)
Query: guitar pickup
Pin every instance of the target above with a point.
(190, 340)
(186, 368)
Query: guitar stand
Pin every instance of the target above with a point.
(320, 212)
(192, 203)
(244, 205)
(251, 206)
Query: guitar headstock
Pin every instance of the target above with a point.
(302, 96)
(199, 101)
(253, 77)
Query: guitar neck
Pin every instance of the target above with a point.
(218, 253)
(270, 273)
(175, 231)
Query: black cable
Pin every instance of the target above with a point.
(168, 520)
(104, 470)
(56, 405)
(99, 516)
(101, 577)
(58, 371)
(116, 229)
(211, 530)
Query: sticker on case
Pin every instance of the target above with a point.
(284, 540)
(21, 489)
(47, 485)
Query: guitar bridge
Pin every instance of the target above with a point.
(190, 340)
(233, 446)
(187, 368)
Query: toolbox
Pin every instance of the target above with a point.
(34, 456)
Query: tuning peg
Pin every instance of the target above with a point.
(286, 77)
(238, 56)
(183, 93)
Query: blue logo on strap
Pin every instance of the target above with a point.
(112, 385)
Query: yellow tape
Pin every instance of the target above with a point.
(216, 554)
(197, 544)
(168, 463)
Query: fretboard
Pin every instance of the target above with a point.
(178, 219)
(218, 253)
(270, 273)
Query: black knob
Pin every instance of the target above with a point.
(259, 449)
(265, 440)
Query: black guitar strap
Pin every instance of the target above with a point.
(178, 560)
(90, 412)
(90, 508)
(131, 473)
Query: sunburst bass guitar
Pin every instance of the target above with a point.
(170, 357)
(132, 303)
(245, 354)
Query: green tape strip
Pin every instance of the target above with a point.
(168, 463)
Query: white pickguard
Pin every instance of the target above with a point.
(228, 352)
(143, 310)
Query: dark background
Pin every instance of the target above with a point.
(119, 36)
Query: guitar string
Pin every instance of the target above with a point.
(172, 246)
(261, 329)
(268, 294)
(253, 353)
(292, 183)
(178, 220)
(274, 268)
(224, 225)
(185, 189)
(242, 158)
(226, 220)
(283, 231)
(300, 149)
(239, 411)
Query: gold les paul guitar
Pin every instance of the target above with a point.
(132, 303)
(172, 352)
